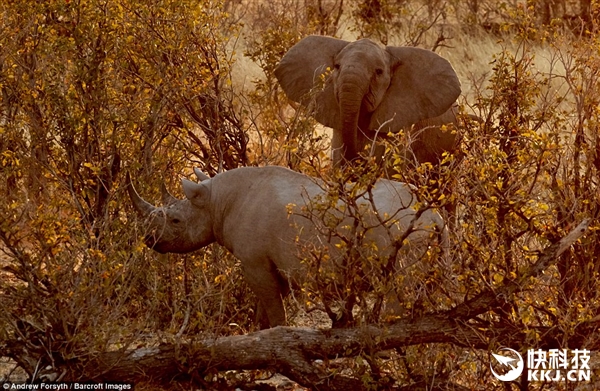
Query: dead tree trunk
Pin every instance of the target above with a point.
(293, 351)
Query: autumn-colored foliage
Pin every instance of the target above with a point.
(93, 89)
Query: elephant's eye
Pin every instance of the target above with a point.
(379, 71)
(175, 221)
(336, 66)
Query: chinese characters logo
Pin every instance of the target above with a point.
(542, 365)
(510, 363)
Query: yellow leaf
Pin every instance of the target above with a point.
(498, 278)
(219, 278)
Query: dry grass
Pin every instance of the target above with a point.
(471, 51)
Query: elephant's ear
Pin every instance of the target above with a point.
(300, 69)
(423, 85)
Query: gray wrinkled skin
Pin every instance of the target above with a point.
(373, 88)
(246, 210)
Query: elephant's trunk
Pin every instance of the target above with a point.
(350, 98)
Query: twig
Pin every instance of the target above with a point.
(490, 297)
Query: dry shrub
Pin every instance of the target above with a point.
(89, 91)
(92, 89)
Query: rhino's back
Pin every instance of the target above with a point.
(251, 209)
(400, 198)
(271, 207)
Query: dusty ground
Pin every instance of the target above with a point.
(9, 371)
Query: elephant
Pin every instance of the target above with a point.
(370, 89)
(259, 215)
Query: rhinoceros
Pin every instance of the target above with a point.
(260, 215)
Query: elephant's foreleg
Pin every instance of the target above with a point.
(370, 144)
(337, 148)
(340, 151)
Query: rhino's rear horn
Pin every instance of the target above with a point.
(141, 206)
(167, 198)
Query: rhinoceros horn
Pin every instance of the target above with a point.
(143, 207)
(167, 198)
(201, 176)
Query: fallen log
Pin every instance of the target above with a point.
(292, 351)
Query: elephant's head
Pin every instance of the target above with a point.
(179, 226)
(370, 87)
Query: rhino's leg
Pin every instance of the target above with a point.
(261, 317)
(268, 285)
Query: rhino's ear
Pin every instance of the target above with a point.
(201, 176)
(197, 193)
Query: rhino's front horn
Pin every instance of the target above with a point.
(167, 198)
(142, 206)
(201, 176)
